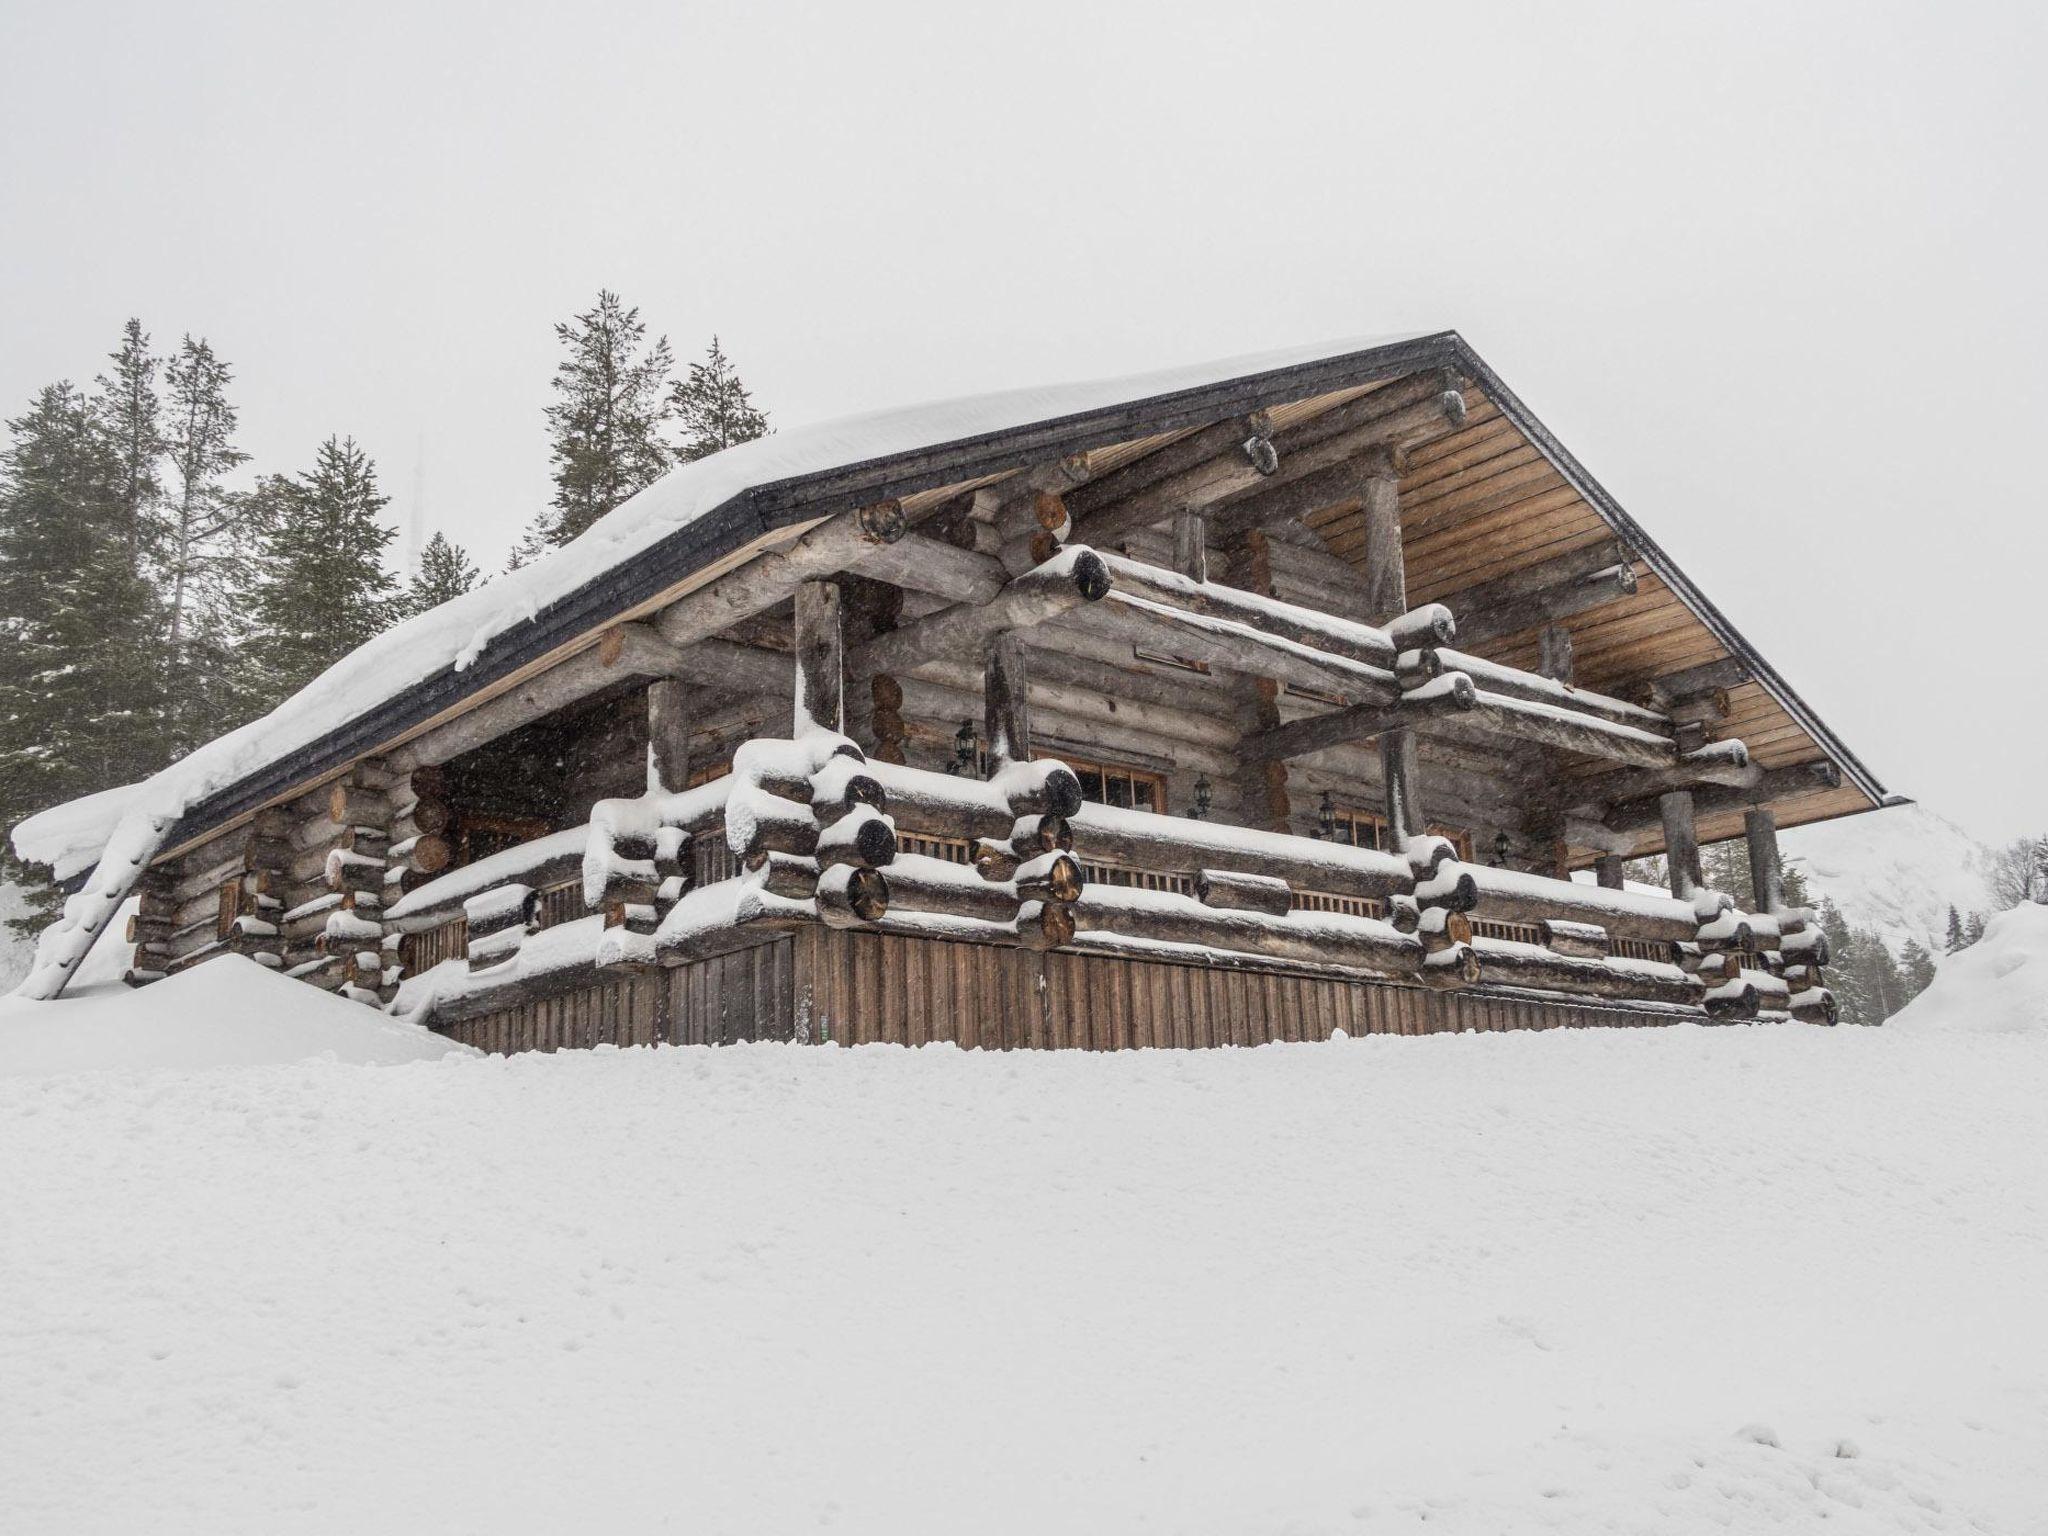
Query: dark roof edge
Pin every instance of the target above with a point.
(778, 504)
(1596, 496)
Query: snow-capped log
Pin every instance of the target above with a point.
(1074, 576)
(1052, 876)
(1040, 787)
(1449, 694)
(1422, 629)
(919, 883)
(1569, 730)
(1725, 764)
(1233, 647)
(863, 836)
(1512, 683)
(1585, 941)
(546, 861)
(852, 895)
(1329, 938)
(1733, 1000)
(1251, 893)
(1503, 962)
(426, 854)
(347, 870)
(758, 823)
(1325, 632)
(1813, 1005)
(357, 805)
(1442, 928)
(1809, 946)
(1161, 844)
(1510, 895)
(822, 551)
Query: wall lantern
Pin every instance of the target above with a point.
(963, 750)
(1203, 795)
(1326, 817)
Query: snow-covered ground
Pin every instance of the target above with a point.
(1895, 872)
(1999, 985)
(1673, 1281)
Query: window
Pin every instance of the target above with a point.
(1368, 829)
(1116, 784)
(478, 836)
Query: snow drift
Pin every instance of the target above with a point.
(228, 1012)
(1682, 1280)
(1999, 985)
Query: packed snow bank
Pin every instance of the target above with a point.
(229, 1012)
(1681, 1281)
(1999, 985)
(71, 836)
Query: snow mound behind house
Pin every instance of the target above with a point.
(229, 1012)
(1999, 985)
(1687, 1281)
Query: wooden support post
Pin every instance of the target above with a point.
(1556, 653)
(1402, 771)
(820, 659)
(668, 735)
(1386, 569)
(1607, 869)
(1006, 704)
(1258, 786)
(1766, 867)
(1681, 843)
(1191, 545)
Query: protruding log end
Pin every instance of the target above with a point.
(1737, 1003)
(1260, 453)
(1049, 511)
(1420, 628)
(1053, 877)
(1045, 925)
(1414, 668)
(1463, 895)
(1453, 406)
(1457, 966)
(1034, 835)
(886, 691)
(1044, 545)
(872, 845)
(1062, 792)
(881, 522)
(1091, 576)
(865, 789)
(847, 897)
(429, 854)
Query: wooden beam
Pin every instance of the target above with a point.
(1773, 784)
(834, 545)
(1543, 593)
(1305, 626)
(945, 570)
(1386, 569)
(1449, 694)
(1234, 647)
(1766, 866)
(1068, 580)
(668, 734)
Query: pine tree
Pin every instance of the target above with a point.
(1916, 968)
(607, 416)
(79, 688)
(131, 416)
(444, 572)
(322, 589)
(1973, 930)
(206, 546)
(714, 408)
(538, 539)
(1954, 939)
(1726, 867)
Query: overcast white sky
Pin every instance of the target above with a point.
(1773, 271)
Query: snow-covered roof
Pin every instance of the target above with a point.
(709, 509)
(459, 634)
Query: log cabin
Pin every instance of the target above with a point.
(1315, 692)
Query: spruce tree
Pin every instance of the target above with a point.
(714, 408)
(536, 541)
(1916, 968)
(322, 588)
(1973, 930)
(206, 545)
(444, 572)
(79, 688)
(131, 416)
(605, 424)
(1954, 939)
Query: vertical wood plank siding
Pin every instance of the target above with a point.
(856, 988)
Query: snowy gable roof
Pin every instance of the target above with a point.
(710, 509)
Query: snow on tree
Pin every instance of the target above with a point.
(536, 541)
(131, 415)
(444, 572)
(605, 424)
(1953, 940)
(714, 408)
(321, 588)
(81, 685)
